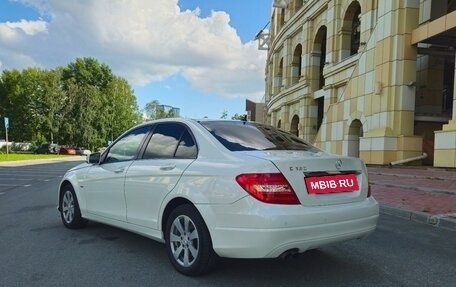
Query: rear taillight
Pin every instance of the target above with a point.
(268, 187)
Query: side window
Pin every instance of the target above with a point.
(186, 147)
(170, 140)
(127, 147)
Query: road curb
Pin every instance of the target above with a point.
(439, 220)
(41, 161)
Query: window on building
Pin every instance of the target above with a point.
(351, 31)
(320, 111)
(297, 5)
(355, 32)
(440, 8)
(322, 59)
(270, 81)
(280, 75)
(280, 19)
(296, 64)
(451, 6)
(319, 54)
(294, 129)
(448, 84)
(355, 132)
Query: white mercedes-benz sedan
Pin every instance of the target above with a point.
(209, 188)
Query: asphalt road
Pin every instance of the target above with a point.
(36, 250)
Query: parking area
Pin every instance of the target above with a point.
(15, 174)
(38, 251)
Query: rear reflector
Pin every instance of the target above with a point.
(268, 187)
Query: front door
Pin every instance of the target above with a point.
(104, 185)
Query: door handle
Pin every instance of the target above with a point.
(168, 167)
(119, 170)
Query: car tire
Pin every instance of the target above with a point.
(69, 208)
(188, 242)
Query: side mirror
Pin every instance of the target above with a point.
(93, 158)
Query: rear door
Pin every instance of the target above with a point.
(170, 150)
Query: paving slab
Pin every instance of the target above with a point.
(420, 194)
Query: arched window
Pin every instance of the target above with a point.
(282, 18)
(280, 75)
(319, 54)
(279, 124)
(294, 129)
(270, 81)
(355, 32)
(354, 133)
(351, 31)
(320, 111)
(296, 64)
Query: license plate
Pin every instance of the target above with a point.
(332, 184)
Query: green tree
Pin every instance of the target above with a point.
(121, 106)
(21, 92)
(48, 103)
(82, 104)
(242, 117)
(101, 105)
(10, 91)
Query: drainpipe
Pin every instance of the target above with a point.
(423, 156)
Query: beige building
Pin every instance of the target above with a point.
(368, 78)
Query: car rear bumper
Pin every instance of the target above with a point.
(243, 231)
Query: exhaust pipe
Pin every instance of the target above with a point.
(289, 254)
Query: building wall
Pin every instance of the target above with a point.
(255, 111)
(367, 100)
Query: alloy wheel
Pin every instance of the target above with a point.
(184, 240)
(68, 206)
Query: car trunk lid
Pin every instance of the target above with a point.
(319, 178)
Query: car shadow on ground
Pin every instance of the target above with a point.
(310, 266)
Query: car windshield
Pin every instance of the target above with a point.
(244, 136)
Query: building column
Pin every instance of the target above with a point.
(285, 112)
(445, 140)
(453, 116)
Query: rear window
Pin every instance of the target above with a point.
(244, 136)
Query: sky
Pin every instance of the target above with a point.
(199, 56)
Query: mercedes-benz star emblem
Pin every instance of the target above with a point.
(338, 164)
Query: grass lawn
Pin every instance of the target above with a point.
(28, 156)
